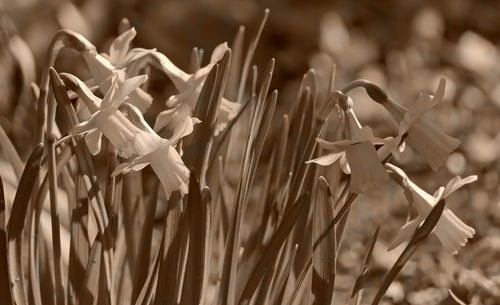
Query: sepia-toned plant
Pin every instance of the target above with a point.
(128, 199)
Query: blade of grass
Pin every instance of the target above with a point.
(206, 200)
(184, 250)
(15, 226)
(271, 250)
(324, 260)
(166, 290)
(357, 290)
(4, 282)
(279, 160)
(147, 291)
(236, 65)
(266, 285)
(416, 240)
(54, 213)
(226, 132)
(90, 283)
(298, 291)
(283, 279)
(249, 57)
(198, 244)
(212, 112)
(308, 149)
(144, 254)
(36, 211)
(197, 156)
(251, 156)
(79, 244)
(11, 154)
(88, 173)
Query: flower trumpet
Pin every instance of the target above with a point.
(137, 142)
(450, 230)
(357, 154)
(183, 104)
(431, 143)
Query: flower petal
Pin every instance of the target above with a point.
(188, 97)
(456, 183)
(163, 118)
(334, 146)
(391, 146)
(101, 69)
(227, 111)
(93, 141)
(84, 127)
(136, 117)
(176, 75)
(327, 159)
(125, 88)
(172, 117)
(112, 92)
(133, 63)
(82, 90)
(344, 165)
(431, 143)
(120, 47)
(170, 169)
(183, 129)
(366, 170)
(219, 52)
(136, 165)
(217, 55)
(363, 134)
(405, 233)
(452, 232)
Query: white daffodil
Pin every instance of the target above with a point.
(102, 66)
(450, 230)
(139, 142)
(431, 143)
(183, 104)
(357, 154)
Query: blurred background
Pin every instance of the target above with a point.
(403, 46)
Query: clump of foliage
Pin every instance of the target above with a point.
(233, 209)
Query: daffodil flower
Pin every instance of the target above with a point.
(431, 143)
(102, 66)
(357, 154)
(183, 104)
(450, 230)
(137, 142)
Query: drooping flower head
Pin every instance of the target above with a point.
(183, 104)
(357, 154)
(121, 56)
(450, 230)
(136, 142)
(429, 142)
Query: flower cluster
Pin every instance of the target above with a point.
(118, 116)
(361, 143)
(364, 157)
(137, 142)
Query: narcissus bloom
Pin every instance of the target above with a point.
(136, 142)
(182, 105)
(357, 154)
(431, 143)
(102, 66)
(450, 230)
